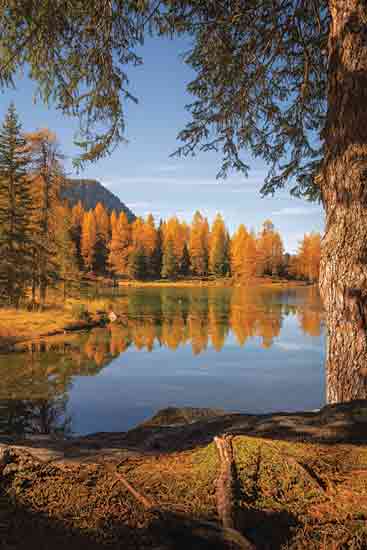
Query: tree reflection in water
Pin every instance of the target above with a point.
(36, 384)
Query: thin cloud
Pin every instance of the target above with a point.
(139, 205)
(290, 346)
(168, 168)
(296, 211)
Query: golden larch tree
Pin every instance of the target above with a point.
(199, 245)
(89, 239)
(119, 247)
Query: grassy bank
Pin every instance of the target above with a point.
(58, 317)
(223, 282)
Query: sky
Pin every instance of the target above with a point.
(142, 172)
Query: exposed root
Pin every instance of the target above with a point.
(225, 481)
(148, 505)
(224, 492)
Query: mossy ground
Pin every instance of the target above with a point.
(288, 495)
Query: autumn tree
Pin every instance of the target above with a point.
(169, 261)
(89, 239)
(15, 210)
(175, 232)
(156, 260)
(66, 253)
(284, 80)
(113, 220)
(218, 249)
(270, 250)
(150, 242)
(47, 177)
(119, 246)
(102, 238)
(308, 257)
(77, 215)
(137, 266)
(243, 254)
(199, 245)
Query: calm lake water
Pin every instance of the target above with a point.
(242, 349)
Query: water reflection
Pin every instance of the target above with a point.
(36, 386)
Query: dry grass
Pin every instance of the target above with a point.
(262, 282)
(288, 496)
(17, 325)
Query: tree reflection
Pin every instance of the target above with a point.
(36, 384)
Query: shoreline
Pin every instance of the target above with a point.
(18, 327)
(218, 283)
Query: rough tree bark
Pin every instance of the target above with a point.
(343, 274)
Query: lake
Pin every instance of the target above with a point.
(241, 349)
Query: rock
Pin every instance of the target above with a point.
(112, 317)
(176, 416)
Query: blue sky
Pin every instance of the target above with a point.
(142, 173)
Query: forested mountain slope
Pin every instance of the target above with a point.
(90, 193)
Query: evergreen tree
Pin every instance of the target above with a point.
(47, 176)
(137, 264)
(15, 210)
(102, 238)
(157, 257)
(185, 261)
(169, 262)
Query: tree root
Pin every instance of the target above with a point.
(225, 489)
(221, 536)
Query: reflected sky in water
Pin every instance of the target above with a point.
(241, 349)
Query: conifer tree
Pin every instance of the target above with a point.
(66, 258)
(113, 220)
(89, 239)
(77, 215)
(149, 241)
(176, 232)
(137, 263)
(185, 261)
(156, 260)
(307, 263)
(47, 176)
(199, 240)
(218, 250)
(270, 249)
(120, 246)
(15, 210)
(169, 261)
(243, 254)
(103, 232)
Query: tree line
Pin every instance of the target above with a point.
(43, 241)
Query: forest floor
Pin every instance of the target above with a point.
(297, 481)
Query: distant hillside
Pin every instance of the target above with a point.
(91, 192)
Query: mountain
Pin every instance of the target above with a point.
(90, 193)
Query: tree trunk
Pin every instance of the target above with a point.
(343, 274)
